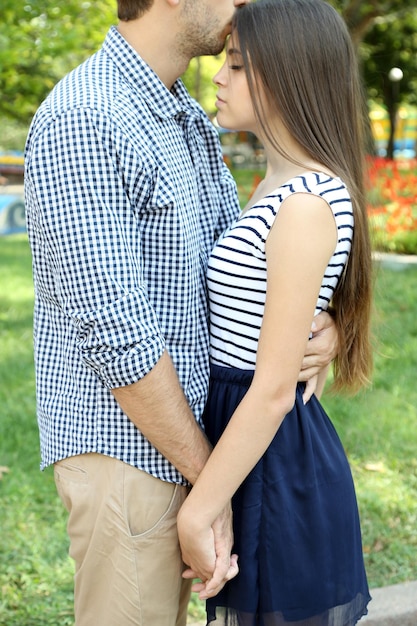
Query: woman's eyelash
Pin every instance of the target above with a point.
(236, 67)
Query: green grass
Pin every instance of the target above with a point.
(378, 428)
(35, 572)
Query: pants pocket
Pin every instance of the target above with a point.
(148, 502)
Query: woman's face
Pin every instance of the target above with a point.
(234, 103)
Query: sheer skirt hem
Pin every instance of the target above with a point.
(342, 615)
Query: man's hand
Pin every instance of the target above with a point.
(320, 351)
(210, 588)
(207, 551)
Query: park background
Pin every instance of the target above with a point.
(40, 40)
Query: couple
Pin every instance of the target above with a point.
(126, 194)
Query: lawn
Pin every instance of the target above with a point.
(378, 428)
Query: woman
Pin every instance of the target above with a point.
(301, 244)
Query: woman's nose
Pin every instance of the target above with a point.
(218, 78)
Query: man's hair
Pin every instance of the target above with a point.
(300, 54)
(131, 9)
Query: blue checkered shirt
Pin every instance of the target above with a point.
(126, 191)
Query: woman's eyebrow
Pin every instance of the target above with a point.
(231, 51)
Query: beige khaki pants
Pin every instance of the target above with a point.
(123, 539)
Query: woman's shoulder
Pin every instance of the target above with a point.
(314, 182)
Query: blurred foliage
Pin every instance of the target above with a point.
(41, 40)
(362, 15)
(199, 81)
(391, 43)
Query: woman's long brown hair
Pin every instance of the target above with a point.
(299, 52)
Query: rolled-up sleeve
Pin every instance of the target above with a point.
(116, 342)
(89, 258)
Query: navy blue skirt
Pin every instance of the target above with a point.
(296, 522)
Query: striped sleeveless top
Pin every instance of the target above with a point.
(237, 268)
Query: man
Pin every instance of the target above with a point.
(126, 191)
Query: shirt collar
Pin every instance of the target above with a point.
(163, 102)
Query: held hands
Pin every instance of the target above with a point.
(320, 351)
(206, 549)
(206, 544)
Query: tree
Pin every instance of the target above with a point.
(392, 43)
(40, 40)
(383, 32)
(361, 15)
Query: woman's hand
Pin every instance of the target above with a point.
(206, 550)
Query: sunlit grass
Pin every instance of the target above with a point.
(378, 429)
